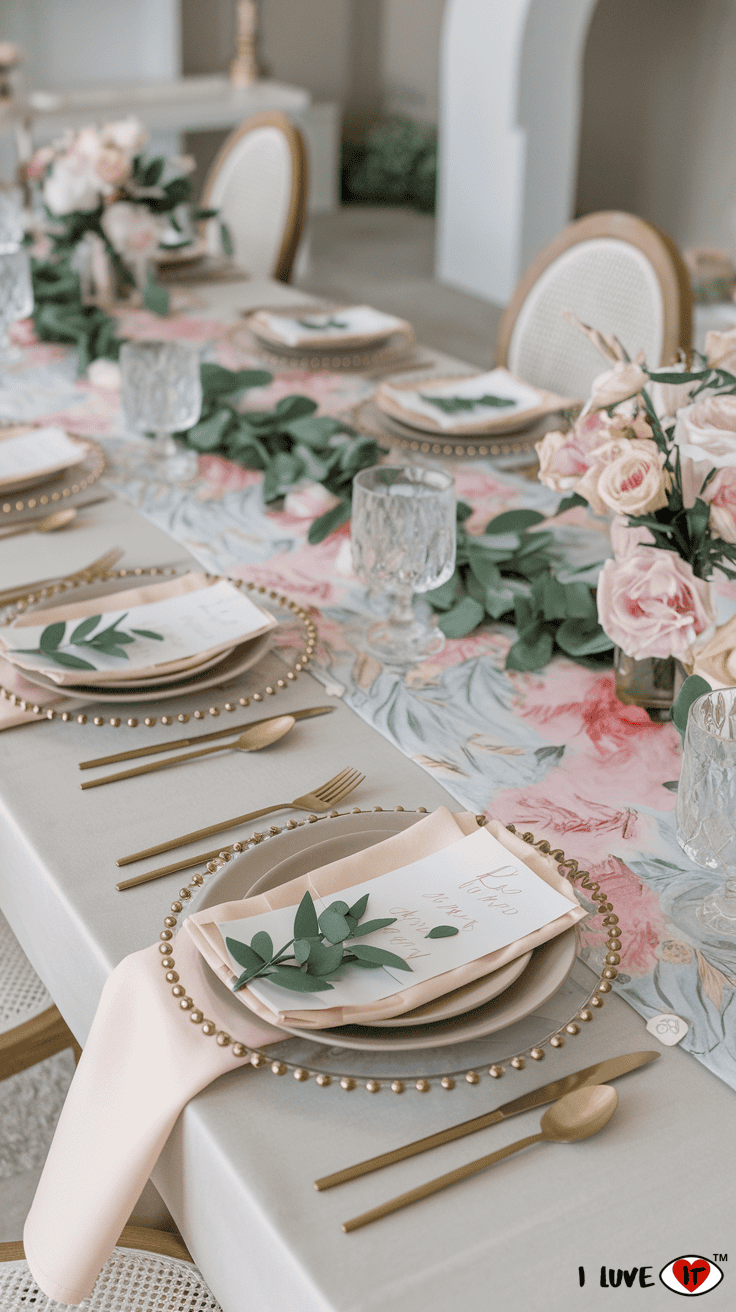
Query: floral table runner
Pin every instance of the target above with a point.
(553, 751)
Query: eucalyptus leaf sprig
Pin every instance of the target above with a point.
(317, 948)
(320, 327)
(111, 641)
(509, 571)
(450, 405)
(289, 443)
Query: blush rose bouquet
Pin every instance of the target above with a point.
(657, 449)
(96, 186)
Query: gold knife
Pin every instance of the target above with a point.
(234, 729)
(601, 1073)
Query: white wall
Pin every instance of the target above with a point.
(659, 115)
(410, 58)
(90, 42)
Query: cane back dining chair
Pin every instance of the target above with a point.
(148, 1271)
(31, 1027)
(258, 182)
(619, 275)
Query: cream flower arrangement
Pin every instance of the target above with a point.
(657, 449)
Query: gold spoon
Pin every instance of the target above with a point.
(576, 1116)
(47, 524)
(258, 736)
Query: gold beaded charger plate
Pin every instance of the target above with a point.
(236, 699)
(562, 1017)
(549, 403)
(482, 1014)
(236, 662)
(371, 421)
(262, 330)
(50, 491)
(392, 351)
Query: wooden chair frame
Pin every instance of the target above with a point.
(133, 1236)
(294, 225)
(658, 247)
(34, 1040)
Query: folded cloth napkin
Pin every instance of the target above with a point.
(438, 831)
(498, 383)
(254, 621)
(142, 1062)
(316, 327)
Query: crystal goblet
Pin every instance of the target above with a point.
(403, 538)
(706, 801)
(16, 296)
(162, 393)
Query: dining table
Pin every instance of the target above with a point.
(551, 752)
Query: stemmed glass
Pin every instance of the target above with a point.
(162, 393)
(706, 801)
(403, 536)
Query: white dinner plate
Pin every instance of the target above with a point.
(292, 852)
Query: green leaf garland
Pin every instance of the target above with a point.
(508, 572)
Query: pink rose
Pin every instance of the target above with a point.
(634, 481)
(604, 454)
(625, 537)
(720, 495)
(113, 167)
(39, 162)
(565, 457)
(651, 604)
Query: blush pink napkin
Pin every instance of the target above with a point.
(142, 1062)
(438, 831)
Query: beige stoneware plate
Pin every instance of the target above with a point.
(47, 475)
(549, 403)
(301, 849)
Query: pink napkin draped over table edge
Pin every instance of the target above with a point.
(142, 1063)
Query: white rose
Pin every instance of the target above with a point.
(308, 500)
(625, 380)
(126, 134)
(634, 481)
(706, 432)
(132, 229)
(69, 186)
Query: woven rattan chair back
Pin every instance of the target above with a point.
(31, 1027)
(616, 273)
(149, 1271)
(258, 182)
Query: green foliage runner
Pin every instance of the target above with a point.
(317, 948)
(289, 443)
(507, 572)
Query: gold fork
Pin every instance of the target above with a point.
(327, 795)
(86, 575)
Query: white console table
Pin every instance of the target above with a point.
(188, 104)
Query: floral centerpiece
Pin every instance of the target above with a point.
(97, 187)
(656, 450)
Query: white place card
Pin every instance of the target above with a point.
(37, 450)
(497, 383)
(319, 326)
(475, 885)
(213, 617)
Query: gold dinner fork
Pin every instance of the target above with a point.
(327, 795)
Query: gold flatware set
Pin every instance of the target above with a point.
(321, 799)
(583, 1104)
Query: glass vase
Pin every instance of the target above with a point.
(653, 682)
